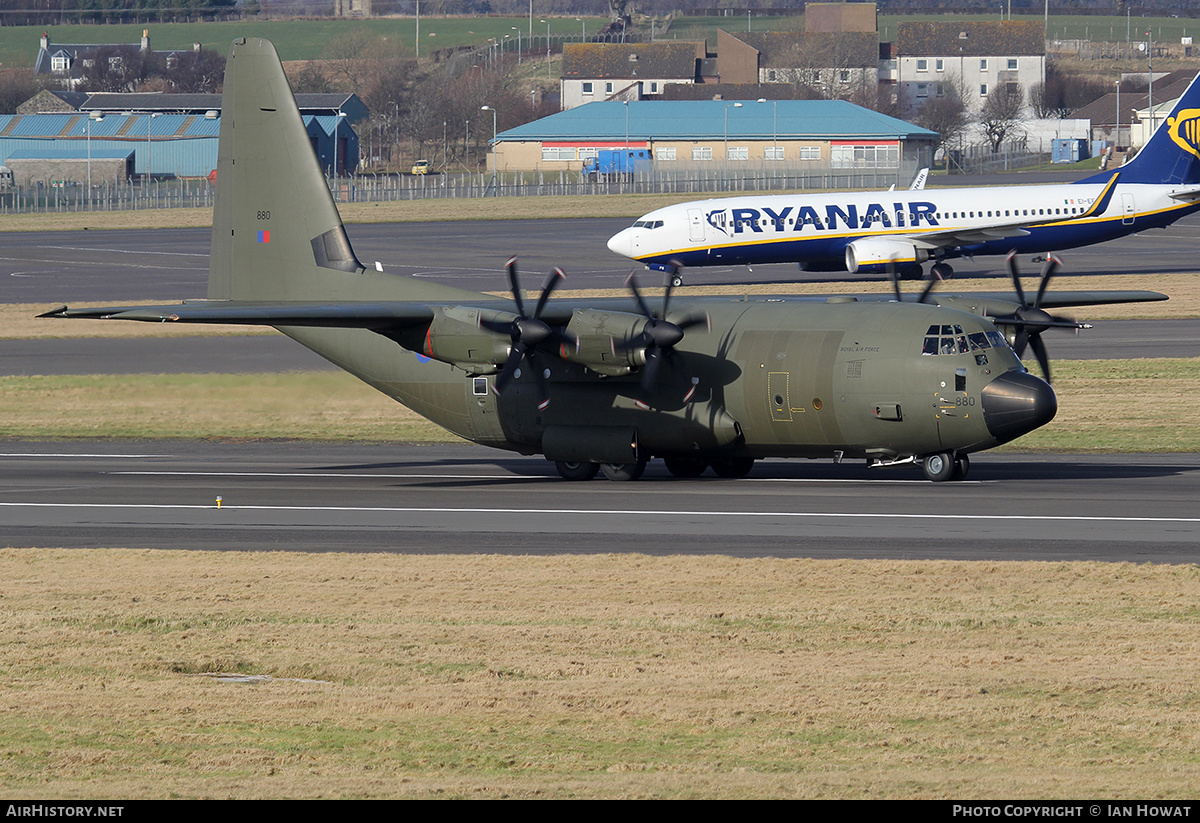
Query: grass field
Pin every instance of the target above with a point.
(146, 674)
(307, 39)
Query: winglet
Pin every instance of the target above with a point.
(1101, 202)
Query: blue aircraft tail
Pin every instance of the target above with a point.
(1172, 155)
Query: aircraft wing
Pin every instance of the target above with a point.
(340, 315)
(1052, 300)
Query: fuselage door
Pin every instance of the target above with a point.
(696, 225)
(1127, 207)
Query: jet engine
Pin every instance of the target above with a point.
(874, 255)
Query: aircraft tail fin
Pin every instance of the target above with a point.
(277, 234)
(1172, 154)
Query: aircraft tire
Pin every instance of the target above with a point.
(961, 466)
(686, 466)
(732, 467)
(940, 466)
(576, 471)
(676, 280)
(620, 472)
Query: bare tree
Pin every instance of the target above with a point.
(1002, 114)
(945, 113)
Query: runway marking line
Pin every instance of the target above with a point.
(618, 512)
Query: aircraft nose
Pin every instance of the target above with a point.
(622, 242)
(1016, 403)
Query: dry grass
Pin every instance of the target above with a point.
(594, 676)
(305, 405)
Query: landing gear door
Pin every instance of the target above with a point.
(696, 225)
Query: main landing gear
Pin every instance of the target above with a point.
(729, 467)
(942, 466)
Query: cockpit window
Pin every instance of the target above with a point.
(647, 224)
(951, 339)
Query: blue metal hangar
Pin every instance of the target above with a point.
(164, 135)
(799, 135)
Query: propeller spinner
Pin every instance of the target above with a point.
(1029, 321)
(658, 338)
(527, 332)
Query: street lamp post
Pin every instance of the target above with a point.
(1117, 139)
(547, 22)
(774, 127)
(149, 147)
(95, 116)
(493, 111)
(518, 31)
(728, 106)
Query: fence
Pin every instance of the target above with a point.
(379, 188)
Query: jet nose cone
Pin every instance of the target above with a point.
(622, 242)
(1016, 403)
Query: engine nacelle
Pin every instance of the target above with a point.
(873, 255)
(455, 336)
(600, 334)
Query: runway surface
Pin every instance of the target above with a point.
(466, 499)
(172, 264)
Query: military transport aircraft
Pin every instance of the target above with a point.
(606, 384)
(868, 231)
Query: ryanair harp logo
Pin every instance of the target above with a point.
(1185, 130)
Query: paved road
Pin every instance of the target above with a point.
(171, 264)
(468, 499)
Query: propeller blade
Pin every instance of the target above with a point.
(631, 281)
(924, 298)
(1021, 341)
(511, 266)
(649, 377)
(1016, 277)
(1039, 351)
(891, 269)
(510, 368)
(556, 277)
(1052, 263)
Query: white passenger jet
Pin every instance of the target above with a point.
(873, 231)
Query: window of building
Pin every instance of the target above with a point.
(922, 65)
(587, 153)
(864, 156)
(810, 152)
(739, 152)
(558, 153)
(922, 89)
(983, 64)
(1012, 64)
(702, 152)
(773, 153)
(983, 89)
(608, 88)
(844, 75)
(939, 65)
(654, 87)
(664, 153)
(60, 62)
(587, 88)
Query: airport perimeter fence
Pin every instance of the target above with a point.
(381, 188)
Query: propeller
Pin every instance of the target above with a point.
(526, 332)
(1030, 321)
(924, 298)
(658, 338)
